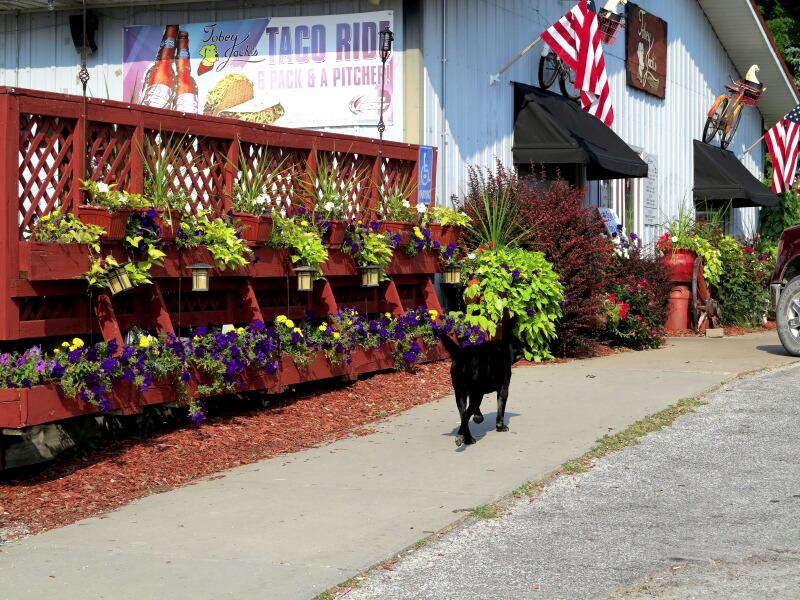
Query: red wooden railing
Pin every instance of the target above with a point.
(50, 142)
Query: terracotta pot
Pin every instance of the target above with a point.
(337, 233)
(170, 223)
(680, 264)
(114, 223)
(450, 235)
(250, 225)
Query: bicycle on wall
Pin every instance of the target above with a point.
(551, 67)
(726, 112)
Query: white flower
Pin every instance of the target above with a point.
(262, 199)
(471, 256)
(406, 204)
(103, 188)
(329, 206)
(421, 208)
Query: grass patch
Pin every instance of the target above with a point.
(332, 593)
(487, 511)
(631, 435)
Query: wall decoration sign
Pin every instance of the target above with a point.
(650, 201)
(290, 71)
(646, 50)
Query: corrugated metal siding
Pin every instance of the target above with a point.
(483, 35)
(40, 43)
(479, 38)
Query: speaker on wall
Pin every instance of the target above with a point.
(76, 29)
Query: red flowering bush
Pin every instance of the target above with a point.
(664, 243)
(571, 236)
(638, 324)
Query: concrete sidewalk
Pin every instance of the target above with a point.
(293, 526)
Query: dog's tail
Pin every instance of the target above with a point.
(451, 346)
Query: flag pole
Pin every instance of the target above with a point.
(757, 142)
(496, 77)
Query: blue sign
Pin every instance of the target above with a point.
(425, 176)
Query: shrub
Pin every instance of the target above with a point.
(637, 323)
(652, 269)
(774, 219)
(571, 237)
(742, 290)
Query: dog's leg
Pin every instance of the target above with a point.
(464, 434)
(502, 398)
(463, 430)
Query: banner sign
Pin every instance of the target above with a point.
(425, 175)
(646, 51)
(290, 71)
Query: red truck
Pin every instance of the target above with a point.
(785, 290)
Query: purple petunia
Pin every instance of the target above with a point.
(516, 274)
(410, 357)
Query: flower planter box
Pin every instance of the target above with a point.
(114, 223)
(405, 229)
(256, 230)
(445, 235)
(170, 223)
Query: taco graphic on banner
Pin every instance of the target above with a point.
(233, 97)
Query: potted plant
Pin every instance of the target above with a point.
(65, 228)
(682, 243)
(302, 235)
(333, 199)
(371, 248)
(446, 223)
(395, 210)
(108, 207)
(220, 237)
(253, 191)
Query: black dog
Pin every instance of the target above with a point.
(479, 370)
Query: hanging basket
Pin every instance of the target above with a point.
(610, 24)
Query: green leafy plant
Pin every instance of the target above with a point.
(494, 208)
(447, 216)
(252, 191)
(65, 228)
(302, 236)
(322, 187)
(109, 196)
(220, 237)
(742, 290)
(166, 164)
(395, 200)
(684, 234)
(634, 313)
(519, 284)
(370, 247)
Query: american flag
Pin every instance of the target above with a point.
(782, 141)
(575, 38)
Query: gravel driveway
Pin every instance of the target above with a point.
(709, 508)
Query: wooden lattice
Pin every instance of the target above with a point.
(45, 307)
(196, 302)
(109, 153)
(396, 177)
(45, 166)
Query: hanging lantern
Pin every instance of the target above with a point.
(118, 280)
(451, 275)
(305, 278)
(386, 37)
(370, 276)
(201, 274)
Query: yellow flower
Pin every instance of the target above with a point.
(418, 233)
(77, 342)
(336, 335)
(197, 338)
(388, 315)
(144, 341)
(304, 223)
(433, 313)
(289, 323)
(65, 344)
(57, 351)
(349, 322)
(297, 331)
(241, 330)
(323, 327)
(280, 319)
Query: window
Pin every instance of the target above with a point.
(624, 197)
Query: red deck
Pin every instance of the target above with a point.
(43, 293)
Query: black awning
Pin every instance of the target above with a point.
(720, 177)
(549, 128)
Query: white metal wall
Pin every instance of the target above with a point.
(480, 36)
(469, 120)
(36, 49)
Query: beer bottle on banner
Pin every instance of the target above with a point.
(159, 81)
(186, 89)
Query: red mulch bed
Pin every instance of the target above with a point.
(74, 488)
(730, 330)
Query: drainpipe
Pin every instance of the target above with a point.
(16, 39)
(443, 153)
